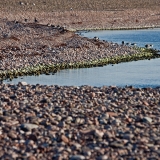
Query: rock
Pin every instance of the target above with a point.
(28, 126)
(62, 124)
(112, 114)
(145, 103)
(127, 136)
(69, 119)
(12, 135)
(79, 120)
(116, 122)
(117, 145)
(44, 100)
(104, 118)
(98, 133)
(1, 111)
(147, 119)
(64, 139)
(23, 83)
(104, 157)
(32, 158)
(92, 95)
(58, 118)
(77, 157)
(32, 137)
(21, 3)
(77, 146)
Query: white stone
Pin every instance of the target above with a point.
(98, 133)
(23, 83)
(77, 157)
(147, 119)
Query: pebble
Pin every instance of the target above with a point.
(23, 83)
(64, 139)
(28, 126)
(98, 133)
(147, 119)
(77, 157)
(104, 157)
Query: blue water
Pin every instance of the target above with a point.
(142, 73)
(140, 37)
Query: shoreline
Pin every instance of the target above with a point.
(34, 48)
(69, 122)
(119, 28)
(53, 68)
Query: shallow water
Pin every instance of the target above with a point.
(140, 37)
(142, 73)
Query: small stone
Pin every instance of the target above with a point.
(116, 145)
(23, 83)
(21, 3)
(147, 119)
(145, 103)
(98, 133)
(64, 139)
(77, 146)
(58, 117)
(31, 158)
(28, 126)
(69, 119)
(79, 121)
(12, 135)
(61, 124)
(77, 157)
(116, 122)
(1, 111)
(104, 157)
(112, 114)
(32, 137)
(128, 136)
(92, 94)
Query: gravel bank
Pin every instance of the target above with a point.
(33, 48)
(55, 122)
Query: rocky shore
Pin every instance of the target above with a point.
(55, 122)
(76, 123)
(33, 49)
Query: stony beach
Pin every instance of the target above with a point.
(34, 48)
(55, 122)
(41, 122)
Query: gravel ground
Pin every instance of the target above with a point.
(76, 123)
(55, 122)
(91, 19)
(29, 44)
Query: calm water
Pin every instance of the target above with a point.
(142, 73)
(140, 37)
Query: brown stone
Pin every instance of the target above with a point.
(32, 158)
(112, 114)
(64, 139)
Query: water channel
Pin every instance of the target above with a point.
(142, 73)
